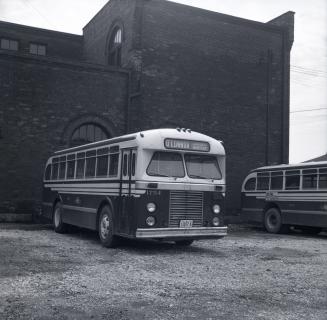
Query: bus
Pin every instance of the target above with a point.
(165, 184)
(284, 196)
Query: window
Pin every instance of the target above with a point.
(88, 133)
(125, 165)
(9, 44)
(55, 169)
(102, 166)
(166, 164)
(115, 46)
(47, 174)
(133, 164)
(90, 164)
(113, 167)
(250, 184)
(202, 167)
(38, 49)
(276, 180)
(80, 165)
(323, 178)
(71, 167)
(292, 180)
(62, 170)
(309, 179)
(263, 181)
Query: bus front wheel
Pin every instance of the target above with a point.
(106, 228)
(58, 224)
(273, 221)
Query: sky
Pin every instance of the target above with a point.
(308, 117)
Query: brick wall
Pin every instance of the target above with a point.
(40, 98)
(219, 75)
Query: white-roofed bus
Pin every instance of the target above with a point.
(166, 184)
(287, 195)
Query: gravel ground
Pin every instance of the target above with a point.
(247, 275)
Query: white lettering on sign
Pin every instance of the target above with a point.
(187, 145)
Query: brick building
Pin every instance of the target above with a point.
(142, 64)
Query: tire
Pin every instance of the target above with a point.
(106, 228)
(58, 225)
(184, 243)
(311, 230)
(273, 221)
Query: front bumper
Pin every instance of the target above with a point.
(181, 233)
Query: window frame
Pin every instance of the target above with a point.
(9, 40)
(38, 44)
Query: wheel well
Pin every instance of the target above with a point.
(106, 202)
(270, 205)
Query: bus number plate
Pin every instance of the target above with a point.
(186, 224)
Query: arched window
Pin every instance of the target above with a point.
(87, 133)
(115, 45)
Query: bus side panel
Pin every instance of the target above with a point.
(304, 213)
(81, 210)
(252, 208)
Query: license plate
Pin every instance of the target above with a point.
(186, 224)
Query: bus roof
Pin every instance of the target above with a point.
(313, 164)
(154, 139)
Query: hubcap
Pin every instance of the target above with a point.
(272, 221)
(104, 226)
(57, 217)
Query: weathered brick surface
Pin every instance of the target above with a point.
(214, 74)
(40, 99)
(59, 44)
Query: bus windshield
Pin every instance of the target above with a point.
(166, 164)
(202, 167)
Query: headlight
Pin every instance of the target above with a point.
(215, 221)
(151, 207)
(216, 208)
(150, 221)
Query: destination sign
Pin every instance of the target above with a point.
(180, 144)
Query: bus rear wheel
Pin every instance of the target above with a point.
(106, 228)
(184, 243)
(273, 221)
(58, 224)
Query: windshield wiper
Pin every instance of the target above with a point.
(198, 177)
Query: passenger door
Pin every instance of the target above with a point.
(125, 191)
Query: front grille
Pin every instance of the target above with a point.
(185, 205)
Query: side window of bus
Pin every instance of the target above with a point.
(102, 162)
(113, 166)
(125, 164)
(80, 165)
(71, 166)
(309, 179)
(62, 168)
(263, 181)
(47, 174)
(55, 170)
(323, 178)
(90, 164)
(292, 180)
(133, 164)
(276, 180)
(250, 184)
